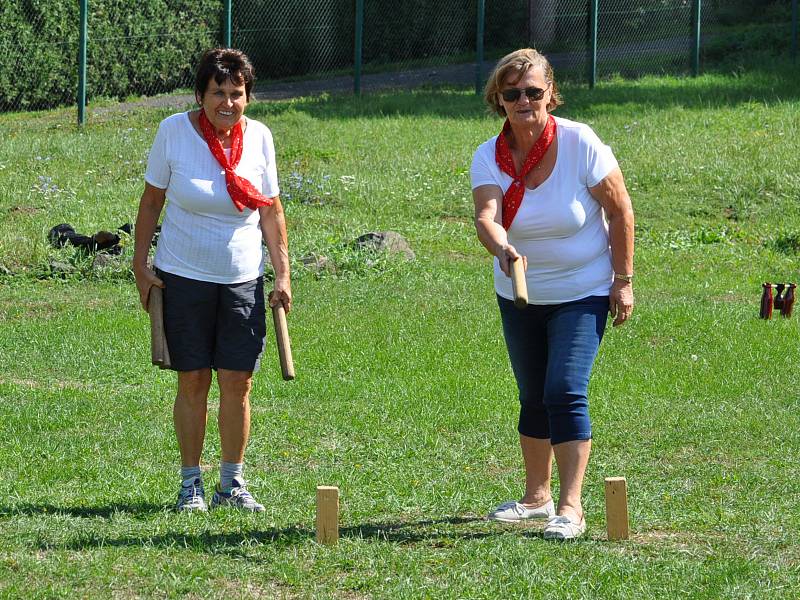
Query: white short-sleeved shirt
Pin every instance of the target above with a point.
(559, 226)
(203, 235)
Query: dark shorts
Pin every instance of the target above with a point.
(214, 325)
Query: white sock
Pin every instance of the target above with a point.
(227, 471)
(191, 473)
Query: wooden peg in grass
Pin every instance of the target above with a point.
(327, 514)
(617, 508)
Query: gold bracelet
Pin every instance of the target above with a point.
(627, 278)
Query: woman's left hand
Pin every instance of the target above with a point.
(281, 293)
(621, 301)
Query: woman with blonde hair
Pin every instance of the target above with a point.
(549, 193)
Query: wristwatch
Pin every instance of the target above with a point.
(626, 277)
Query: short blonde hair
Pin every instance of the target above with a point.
(519, 62)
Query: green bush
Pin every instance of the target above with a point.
(151, 46)
(146, 47)
(738, 12)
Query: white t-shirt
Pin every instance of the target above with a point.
(204, 236)
(559, 226)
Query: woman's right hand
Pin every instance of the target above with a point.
(145, 279)
(506, 254)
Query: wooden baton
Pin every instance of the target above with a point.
(518, 283)
(159, 352)
(282, 337)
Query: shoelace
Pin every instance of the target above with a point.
(191, 492)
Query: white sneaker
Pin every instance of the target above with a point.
(514, 512)
(191, 496)
(564, 528)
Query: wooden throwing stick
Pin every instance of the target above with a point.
(518, 283)
(284, 344)
(159, 352)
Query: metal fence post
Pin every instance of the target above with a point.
(479, 46)
(794, 30)
(82, 42)
(696, 27)
(358, 47)
(228, 24)
(592, 42)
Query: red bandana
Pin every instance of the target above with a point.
(242, 192)
(512, 199)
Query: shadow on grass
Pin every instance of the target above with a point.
(136, 510)
(442, 532)
(769, 85)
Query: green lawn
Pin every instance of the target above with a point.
(404, 397)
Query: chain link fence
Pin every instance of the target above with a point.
(49, 40)
(655, 36)
(135, 48)
(150, 46)
(557, 28)
(293, 39)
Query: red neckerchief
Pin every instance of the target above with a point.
(512, 199)
(242, 192)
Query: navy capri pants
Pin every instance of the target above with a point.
(552, 349)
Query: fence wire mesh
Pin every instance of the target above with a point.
(151, 46)
(411, 35)
(557, 28)
(48, 39)
(286, 39)
(638, 37)
(136, 48)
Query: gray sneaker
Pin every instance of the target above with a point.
(192, 496)
(237, 497)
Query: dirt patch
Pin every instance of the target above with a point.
(33, 384)
(24, 210)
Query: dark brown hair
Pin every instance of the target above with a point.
(517, 64)
(224, 64)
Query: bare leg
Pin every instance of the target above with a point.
(538, 456)
(189, 414)
(571, 458)
(234, 413)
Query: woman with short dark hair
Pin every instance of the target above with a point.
(215, 170)
(549, 193)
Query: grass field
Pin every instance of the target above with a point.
(404, 397)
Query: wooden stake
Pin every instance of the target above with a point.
(327, 514)
(617, 508)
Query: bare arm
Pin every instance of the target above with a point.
(491, 233)
(273, 230)
(146, 220)
(613, 197)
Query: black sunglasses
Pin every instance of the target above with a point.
(513, 94)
